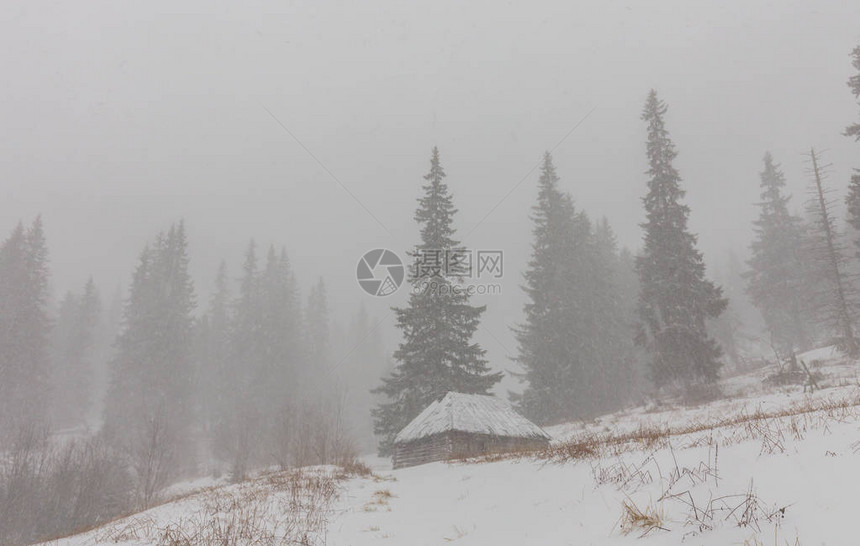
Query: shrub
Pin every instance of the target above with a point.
(48, 491)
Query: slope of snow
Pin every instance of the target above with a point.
(759, 468)
(775, 470)
(289, 507)
(527, 502)
(796, 482)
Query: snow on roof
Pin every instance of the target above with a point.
(473, 413)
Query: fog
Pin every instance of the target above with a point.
(309, 125)
(121, 118)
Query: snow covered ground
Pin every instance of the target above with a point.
(759, 468)
(288, 507)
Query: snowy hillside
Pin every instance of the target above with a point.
(273, 508)
(755, 469)
(758, 468)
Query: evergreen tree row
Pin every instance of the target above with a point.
(575, 346)
(802, 274)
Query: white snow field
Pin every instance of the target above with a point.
(759, 468)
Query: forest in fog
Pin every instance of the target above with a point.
(113, 388)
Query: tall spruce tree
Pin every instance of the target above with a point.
(266, 355)
(237, 430)
(776, 280)
(612, 327)
(247, 330)
(317, 328)
(627, 282)
(363, 362)
(675, 298)
(852, 200)
(73, 367)
(25, 328)
(283, 347)
(213, 380)
(547, 350)
(853, 130)
(149, 406)
(574, 345)
(436, 354)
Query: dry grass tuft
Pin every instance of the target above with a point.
(646, 520)
(355, 467)
(379, 501)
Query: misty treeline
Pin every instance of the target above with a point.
(599, 320)
(245, 382)
(247, 378)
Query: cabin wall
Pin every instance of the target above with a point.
(425, 450)
(465, 444)
(442, 447)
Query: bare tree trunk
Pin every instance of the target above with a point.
(843, 315)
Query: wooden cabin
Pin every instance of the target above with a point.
(465, 425)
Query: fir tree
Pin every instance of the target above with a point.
(363, 362)
(237, 428)
(267, 352)
(282, 345)
(627, 282)
(545, 350)
(246, 333)
(130, 366)
(852, 203)
(266, 337)
(437, 353)
(612, 328)
(854, 83)
(575, 344)
(317, 327)
(24, 328)
(73, 357)
(675, 297)
(36, 340)
(151, 375)
(853, 198)
(213, 355)
(175, 292)
(776, 280)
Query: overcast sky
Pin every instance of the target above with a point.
(118, 118)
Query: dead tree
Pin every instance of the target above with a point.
(831, 260)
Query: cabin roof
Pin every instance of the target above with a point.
(473, 413)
